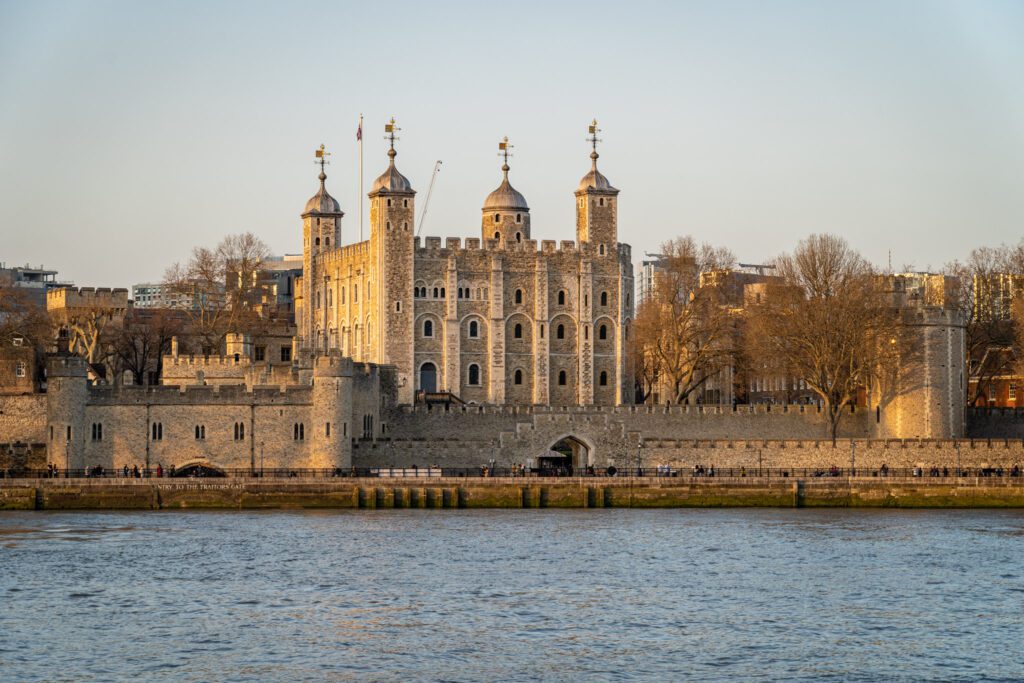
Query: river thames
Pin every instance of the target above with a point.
(513, 595)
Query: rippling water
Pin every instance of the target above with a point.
(512, 595)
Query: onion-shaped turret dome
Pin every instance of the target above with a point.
(322, 202)
(506, 197)
(391, 181)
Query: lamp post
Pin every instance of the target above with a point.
(957, 459)
(853, 458)
(639, 445)
(261, 459)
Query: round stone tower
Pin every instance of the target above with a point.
(332, 410)
(506, 215)
(67, 390)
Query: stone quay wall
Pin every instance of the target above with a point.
(515, 493)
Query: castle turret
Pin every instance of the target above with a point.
(506, 216)
(392, 205)
(332, 410)
(596, 200)
(67, 390)
(321, 230)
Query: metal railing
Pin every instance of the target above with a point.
(384, 473)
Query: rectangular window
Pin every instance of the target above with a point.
(260, 353)
(286, 354)
(1013, 391)
(19, 370)
(327, 429)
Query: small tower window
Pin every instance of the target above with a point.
(327, 241)
(600, 250)
(518, 332)
(586, 332)
(428, 328)
(389, 201)
(560, 332)
(602, 332)
(542, 330)
(389, 223)
(519, 218)
(474, 329)
(519, 237)
(519, 296)
(497, 235)
(603, 381)
(405, 203)
(398, 306)
(519, 377)
(600, 202)
(604, 298)
(474, 374)
(561, 297)
(497, 217)
(442, 292)
(435, 292)
(317, 242)
(561, 378)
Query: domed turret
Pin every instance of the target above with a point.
(506, 197)
(595, 180)
(596, 215)
(506, 215)
(322, 203)
(391, 181)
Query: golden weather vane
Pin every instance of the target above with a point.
(505, 149)
(391, 128)
(592, 138)
(321, 157)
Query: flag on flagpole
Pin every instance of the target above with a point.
(359, 130)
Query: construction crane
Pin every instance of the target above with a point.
(426, 202)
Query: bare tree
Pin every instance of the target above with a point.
(21, 318)
(145, 340)
(218, 289)
(984, 291)
(683, 328)
(828, 323)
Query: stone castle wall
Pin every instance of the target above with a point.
(23, 419)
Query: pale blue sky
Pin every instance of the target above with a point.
(130, 132)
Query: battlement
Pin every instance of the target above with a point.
(199, 362)
(112, 396)
(355, 250)
(454, 246)
(668, 410)
(87, 297)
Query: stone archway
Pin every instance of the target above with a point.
(428, 378)
(199, 468)
(566, 455)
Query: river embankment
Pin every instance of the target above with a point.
(509, 493)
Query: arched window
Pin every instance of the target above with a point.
(602, 332)
(435, 292)
(389, 202)
(317, 241)
(428, 328)
(474, 329)
(327, 241)
(519, 296)
(389, 222)
(542, 330)
(241, 431)
(497, 235)
(497, 217)
(405, 203)
(604, 298)
(600, 250)
(603, 381)
(519, 377)
(519, 218)
(474, 374)
(586, 332)
(560, 332)
(442, 292)
(561, 378)
(519, 237)
(561, 297)
(518, 331)
(236, 431)
(330, 298)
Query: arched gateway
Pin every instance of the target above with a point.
(567, 454)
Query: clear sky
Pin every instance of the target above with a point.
(130, 132)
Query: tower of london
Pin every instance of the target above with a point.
(498, 319)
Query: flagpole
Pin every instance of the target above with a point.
(360, 177)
